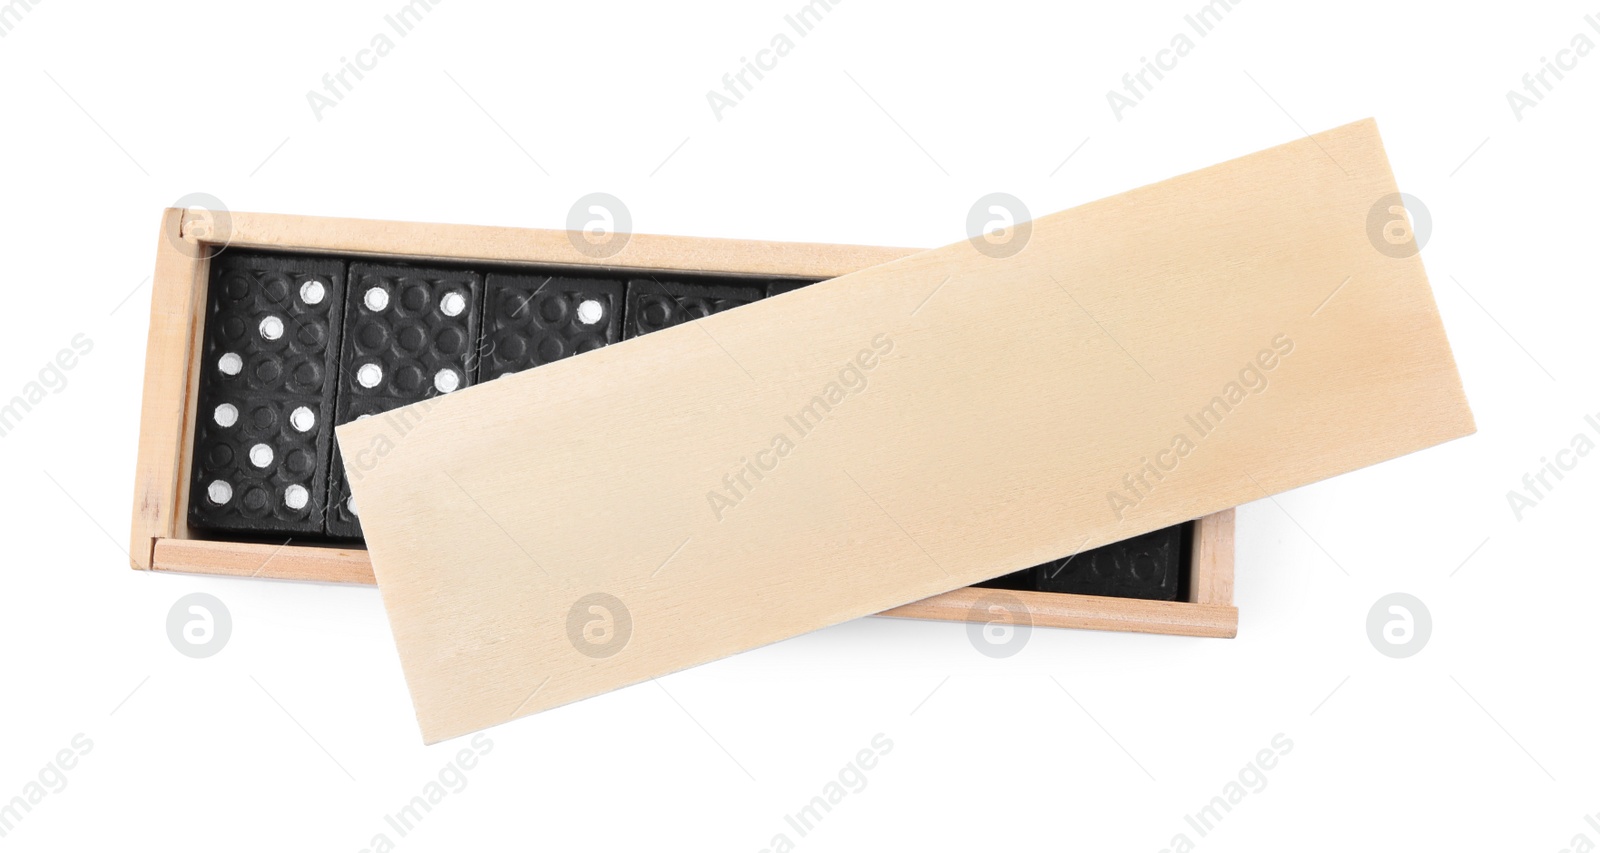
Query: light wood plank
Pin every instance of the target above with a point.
(1095, 613)
(177, 291)
(1007, 402)
(432, 241)
(264, 560)
(1211, 560)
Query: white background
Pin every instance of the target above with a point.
(883, 126)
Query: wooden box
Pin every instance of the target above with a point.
(161, 539)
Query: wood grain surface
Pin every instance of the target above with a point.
(901, 431)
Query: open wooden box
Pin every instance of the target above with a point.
(162, 540)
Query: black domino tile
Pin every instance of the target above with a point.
(530, 320)
(778, 287)
(264, 423)
(1148, 566)
(659, 303)
(410, 333)
(1024, 580)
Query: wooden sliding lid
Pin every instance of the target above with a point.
(902, 431)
